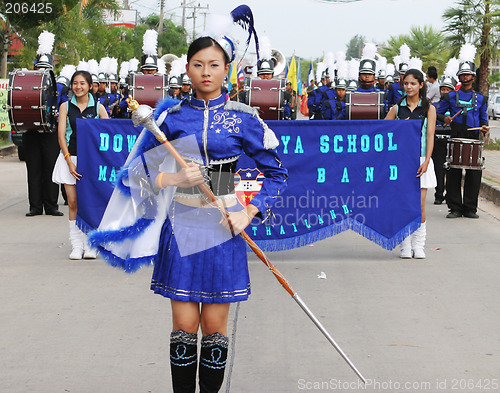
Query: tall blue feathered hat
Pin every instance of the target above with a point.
(219, 28)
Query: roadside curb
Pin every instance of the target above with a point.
(490, 190)
(8, 150)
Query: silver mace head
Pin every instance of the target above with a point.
(142, 115)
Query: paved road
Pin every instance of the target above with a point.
(409, 326)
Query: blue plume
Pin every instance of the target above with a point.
(244, 17)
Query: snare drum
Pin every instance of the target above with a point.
(465, 154)
(365, 106)
(32, 101)
(267, 96)
(443, 133)
(148, 89)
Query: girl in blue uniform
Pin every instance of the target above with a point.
(200, 262)
(414, 105)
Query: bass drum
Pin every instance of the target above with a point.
(32, 101)
(365, 106)
(148, 89)
(267, 96)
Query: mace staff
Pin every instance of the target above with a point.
(143, 115)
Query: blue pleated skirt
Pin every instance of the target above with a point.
(198, 260)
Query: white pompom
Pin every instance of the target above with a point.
(369, 51)
(467, 52)
(45, 43)
(404, 52)
(150, 42)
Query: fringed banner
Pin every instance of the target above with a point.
(358, 175)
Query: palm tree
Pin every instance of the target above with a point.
(355, 47)
(476, 22)
(425, 43)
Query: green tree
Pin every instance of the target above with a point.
(425, 43)
(476, 22)
(172, 39)
(355, 47)
(80, 33)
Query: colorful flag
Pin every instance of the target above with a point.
(299, 79)
(241, 75)
(292, 73)
(310, 74)
(233, 80)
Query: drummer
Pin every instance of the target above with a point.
(265, 69)
(472, 107)
(115, 95)
(41, 149)
(395, 90)
(443, 131)
(335, 108)
(174, 90)
(102, 95)
(186, 86)
(149, 65)
(367, 66)
(149, 60)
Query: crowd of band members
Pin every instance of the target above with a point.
(325, 101)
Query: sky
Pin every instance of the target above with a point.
(312, 28)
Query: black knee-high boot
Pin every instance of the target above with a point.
(183, 361)
(212, 362)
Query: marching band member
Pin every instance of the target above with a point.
(175, 81)
(149, 61)
(201, 285)
(265, 64)
(367, 66)
(121, 108)
(352, 74)
(41, 149)
(329, 92)
(102, 95)
(316, 96)
(381, 66)
(443, 131)
(336, 109)
(114, 95)
(62, 82)
(93, 68)
(186, 86)
(472, 107)
(396, 91)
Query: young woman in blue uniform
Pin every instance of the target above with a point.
(200, 262)
(414, 105)
(202, 285)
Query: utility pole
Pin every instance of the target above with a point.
(205, 19)
(193, 15)
(183, 14)
(160, 24)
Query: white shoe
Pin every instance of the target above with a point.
(88, 252)
(406, 248)
(76, 253)
(76, 239)
(418, 241)
(419, 253)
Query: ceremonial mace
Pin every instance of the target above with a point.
(142, 115)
